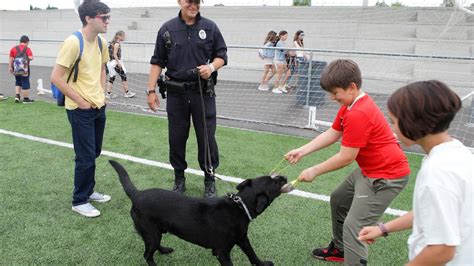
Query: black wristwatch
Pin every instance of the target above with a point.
(148, 92)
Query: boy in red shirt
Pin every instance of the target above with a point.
(22, 82)
(383, 170)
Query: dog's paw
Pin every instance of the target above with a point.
(267, 263)
(165, 250)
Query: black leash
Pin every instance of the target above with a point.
(207, 149)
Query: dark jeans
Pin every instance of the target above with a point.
(87, 135)
(180, 108)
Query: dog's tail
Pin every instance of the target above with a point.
(127, 185)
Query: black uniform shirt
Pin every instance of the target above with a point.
(180, 47)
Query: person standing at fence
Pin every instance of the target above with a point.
(366, 137)
(19, 66)
(301, 56)
(442, 217)
(267, 56)
(115, 66)
(281, 64)
(85, 99)
(192, 49)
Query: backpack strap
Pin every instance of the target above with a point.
(75, 67)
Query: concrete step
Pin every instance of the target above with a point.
(443, 32)
(441, 16)
(445, 49)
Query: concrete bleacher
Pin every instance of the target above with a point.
(439, 32)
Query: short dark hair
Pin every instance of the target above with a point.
(91, 8)
(424, 107)
(340, 74)
(24, 39)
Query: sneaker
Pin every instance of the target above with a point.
(17, 98)
(3, 97)
(129, 94)
(283, 89)
(331, 253)
(98, 197)
(86, 210)
(263, 88)
(110, 95)
(27, 100)
(277, 91)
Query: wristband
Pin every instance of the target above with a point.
(212, 67)
(383, 229)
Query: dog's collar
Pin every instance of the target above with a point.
(240, 202)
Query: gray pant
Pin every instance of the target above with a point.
(360, 201)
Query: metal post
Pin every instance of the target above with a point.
(310, 67)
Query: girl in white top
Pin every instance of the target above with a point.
(442, 215)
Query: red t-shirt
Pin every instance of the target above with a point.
(13, 51)
(364, 126)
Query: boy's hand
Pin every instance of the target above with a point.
(307, 175)
(294, 156)
(368, 234)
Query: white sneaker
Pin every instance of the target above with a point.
(86, 210)
(283, 89)
(98, 197)
(110, 95)
(277, 91)
(263, 88)
(129, 94)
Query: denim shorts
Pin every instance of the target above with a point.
(23, 82)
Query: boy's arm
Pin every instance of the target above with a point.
(370, 233)
(57, 78)
(434, 255)
(325, 139)
(321, 141)
(103, 76)
(10, 64)
(344, 157)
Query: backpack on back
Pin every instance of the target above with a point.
(75, 67)
(20, 62)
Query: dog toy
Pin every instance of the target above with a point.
(288, 187)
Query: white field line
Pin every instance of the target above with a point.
(236, 180)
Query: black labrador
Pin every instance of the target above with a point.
(215, 223)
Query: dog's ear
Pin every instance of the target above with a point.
(262, 202)
(244, 184)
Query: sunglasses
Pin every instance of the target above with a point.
(189, 2)
(104, 18)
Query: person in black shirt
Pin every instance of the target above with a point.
(189, 46)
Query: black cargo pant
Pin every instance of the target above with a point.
(181, 107)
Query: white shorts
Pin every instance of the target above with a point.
(267, 61)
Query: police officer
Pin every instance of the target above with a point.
(189, 46)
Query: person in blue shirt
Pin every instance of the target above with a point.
(189, 46)
(267, 56)
(281, 64)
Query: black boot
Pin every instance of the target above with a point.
(179, 182)
(209, 187)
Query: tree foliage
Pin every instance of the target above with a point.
(302, 2)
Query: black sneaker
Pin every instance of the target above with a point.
(210, 189)
(331, 253)
(27, 100)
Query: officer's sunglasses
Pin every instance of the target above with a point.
(104, 18)
(189, 2)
